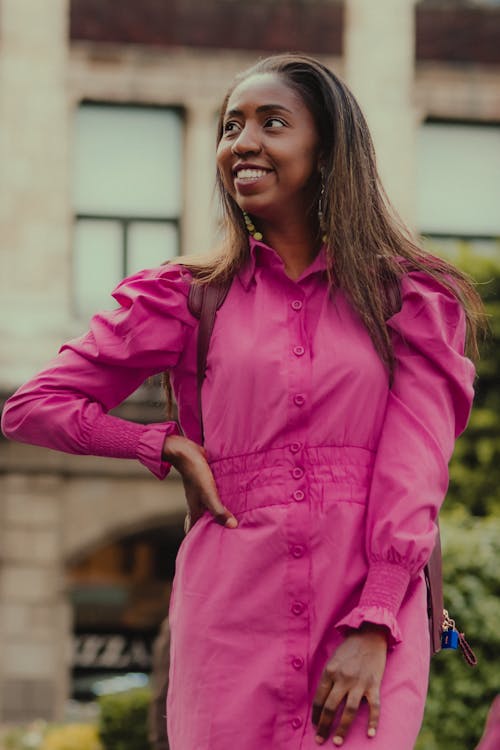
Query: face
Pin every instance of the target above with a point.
(268, 154)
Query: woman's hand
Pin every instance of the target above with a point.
(190, 460)
(354, 672)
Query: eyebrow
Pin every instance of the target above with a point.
(262, 108)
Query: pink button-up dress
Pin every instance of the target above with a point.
(336, 481)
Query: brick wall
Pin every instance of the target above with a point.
(268, 25)
(454, 32)
(458, 34)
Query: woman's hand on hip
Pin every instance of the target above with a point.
(353, 673)
(190, 460)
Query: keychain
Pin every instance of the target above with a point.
(452, 639)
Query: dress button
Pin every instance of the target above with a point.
(298, 351)
(297, 473)
(297, 304)
(297, 550)
(298, 495)
(295, 447)
(297, 662)
(296, 722)
(298, 608)
(299, 399)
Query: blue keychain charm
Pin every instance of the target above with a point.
(449, 639)
(449, 636)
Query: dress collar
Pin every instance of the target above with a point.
(261, 254)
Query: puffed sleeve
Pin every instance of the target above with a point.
(427, 409)
(66, 405)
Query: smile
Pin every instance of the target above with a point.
(250, 174)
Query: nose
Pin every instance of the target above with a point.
(247, 142)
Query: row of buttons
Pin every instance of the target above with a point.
(297, 550)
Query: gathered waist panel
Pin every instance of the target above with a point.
(276, 476)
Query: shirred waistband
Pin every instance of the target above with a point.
(345, 469)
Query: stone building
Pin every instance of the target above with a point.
(107, 124)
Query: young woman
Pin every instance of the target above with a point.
(337, 382)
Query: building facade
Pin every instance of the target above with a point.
(107, 140)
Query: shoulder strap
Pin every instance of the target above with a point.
(433, 573)
(203, 301)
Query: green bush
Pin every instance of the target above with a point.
(123, 720)
(459, 696)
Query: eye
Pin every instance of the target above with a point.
(275, 122)
(230, 126)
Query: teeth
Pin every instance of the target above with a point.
(245, 174)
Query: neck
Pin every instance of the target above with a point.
(295, 242)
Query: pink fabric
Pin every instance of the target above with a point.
(336, 482)
(491, 736)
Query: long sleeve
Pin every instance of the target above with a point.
(66, 405)
(427, 409)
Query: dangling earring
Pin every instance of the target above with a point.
(251, 227)
(321, 215)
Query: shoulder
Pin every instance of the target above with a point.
(430, 311)
(163, 289)
(422, 292)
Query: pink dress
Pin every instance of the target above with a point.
(336, 482)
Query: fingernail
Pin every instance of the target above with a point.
(372, 732)
(319, 739)
(338, 741)
(232, 522)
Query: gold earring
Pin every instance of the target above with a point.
(251, 227)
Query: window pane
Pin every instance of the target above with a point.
(98, 264)
(459, 179)
(150, 244)
(128, 161)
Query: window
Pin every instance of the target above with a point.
(459, 187)
(127, 196)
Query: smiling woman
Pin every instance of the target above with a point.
(269, 156)
(337, 380)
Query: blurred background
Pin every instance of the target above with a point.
(107, 142)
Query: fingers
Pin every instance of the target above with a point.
(201, 489)
(324, 713)
(345, 683)
(328, 711)
(350, 710)
(322, 694)
(373, 698)
(211, 501)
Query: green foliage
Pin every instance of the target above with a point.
(123, 720)
(475, 468)
(459, 696)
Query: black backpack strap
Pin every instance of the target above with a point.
(203, 302)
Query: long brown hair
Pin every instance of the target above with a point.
(364, 234)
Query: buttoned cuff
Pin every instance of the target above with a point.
(381, 598)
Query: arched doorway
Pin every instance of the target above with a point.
(119, 593)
